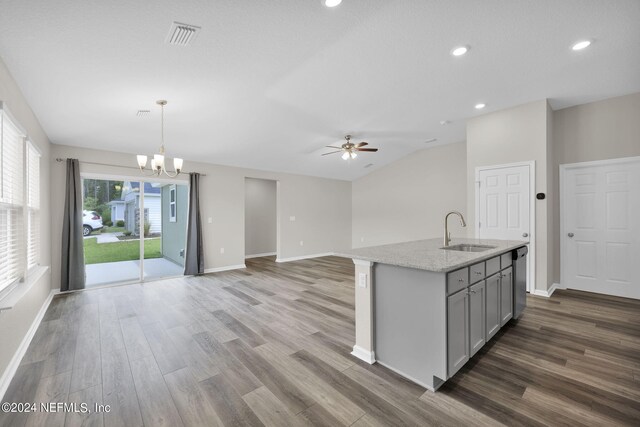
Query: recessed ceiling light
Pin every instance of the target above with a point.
(332, 3)
(581, 45)
(444, 122)
(460, 50)
(480, 106)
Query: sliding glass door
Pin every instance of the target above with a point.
(123, 226)
(165, 230)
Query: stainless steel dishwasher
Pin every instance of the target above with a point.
(519, 280)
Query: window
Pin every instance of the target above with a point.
(19, 203)
(33, 206)
(172, 203)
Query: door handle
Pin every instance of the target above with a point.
(525, 234)
(570, 235)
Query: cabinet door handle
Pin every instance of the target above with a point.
(472, 291)
(478, 272)
(460, 280)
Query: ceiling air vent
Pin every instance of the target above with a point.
(368, 165)
(182, 34)
(143, 113)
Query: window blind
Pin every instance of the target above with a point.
(33, 206)
(12, 256)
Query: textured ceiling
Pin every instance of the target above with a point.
(268, 83)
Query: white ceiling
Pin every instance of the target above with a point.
(268, 83)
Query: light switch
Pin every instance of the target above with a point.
(301, 243)
(362, 280)
(292, 218)
(210, 220)
(221, 250)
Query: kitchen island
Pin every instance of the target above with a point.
(423, 310)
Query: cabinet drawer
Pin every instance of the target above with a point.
(492, 266)
(457, 280)
(505, 260)
(476, 272)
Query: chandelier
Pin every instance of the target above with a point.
(158, 161)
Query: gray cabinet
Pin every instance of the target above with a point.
(476, 273)
(506, 296)
(457, 280)
(493, 305)
(457, 331)
(477, 317)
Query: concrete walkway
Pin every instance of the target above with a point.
(106, 237)
(126, 271)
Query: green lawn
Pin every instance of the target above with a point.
(126, 250)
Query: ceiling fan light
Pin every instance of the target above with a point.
(142, 161)
(177, 164)
(345, 155)
(353, 154)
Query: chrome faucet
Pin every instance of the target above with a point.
(447, 235)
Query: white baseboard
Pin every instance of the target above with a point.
(8, 374)
(260, 255)
(548, 292)
(225, 268)
(364, 355)
(298, 258)
(410, 378)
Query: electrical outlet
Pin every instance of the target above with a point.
(362, 240)
(221, 250)
(301, 243)
(292, 218)
(362, 280)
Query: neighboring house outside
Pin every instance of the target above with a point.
(117, 210)
(174, 222)
(152, 206)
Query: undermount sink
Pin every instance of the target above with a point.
(465, 247)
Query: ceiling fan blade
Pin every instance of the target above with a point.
(372, 150)
(333, 146)
(326, 154)
(361, 144)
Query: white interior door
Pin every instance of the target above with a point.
(600, 212)
(503, 196)
(503, 206)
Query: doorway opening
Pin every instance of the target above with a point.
(505, 207)
(133, 230)
(260, 219)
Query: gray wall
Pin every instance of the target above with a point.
(260, 221)
(512, 135)
(15, 323)
(601, 130)
(174, 234)
(407, 200)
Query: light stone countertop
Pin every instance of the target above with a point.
(427, 255)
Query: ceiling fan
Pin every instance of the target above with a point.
(350, 150)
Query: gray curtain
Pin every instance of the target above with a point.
(72, 271)
(194, 257)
